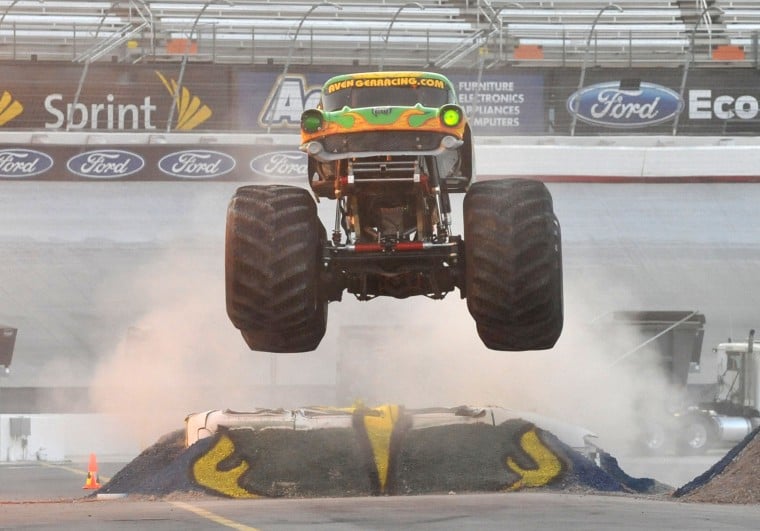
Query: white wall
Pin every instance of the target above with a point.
(612, 157)
(68, 437)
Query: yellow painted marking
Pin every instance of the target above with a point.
(213, 517)
(104, 479)
(207, 474)
(548, 464)
(379, 430)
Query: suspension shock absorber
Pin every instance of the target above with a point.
(336, 233)
(441, 197)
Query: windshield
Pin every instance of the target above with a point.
(388, 96)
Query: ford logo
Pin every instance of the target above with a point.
(196, 164)
(15, 163)
(609, 105)
(280, 164)
(105, 164)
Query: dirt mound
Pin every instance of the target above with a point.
(357, 461)
(159, 470)
(733, 479)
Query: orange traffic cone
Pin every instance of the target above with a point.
(91, 483)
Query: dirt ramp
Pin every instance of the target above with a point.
(380, 452)
(511, 456)
(733, 479)
(159, 470)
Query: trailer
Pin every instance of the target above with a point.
(696, 417)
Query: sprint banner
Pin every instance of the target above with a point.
(107, 98)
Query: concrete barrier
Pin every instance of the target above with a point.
(560, 158)
(621, 159)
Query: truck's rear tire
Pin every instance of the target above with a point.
(697, 435)
(513, 270)
(272, 250)
(655, 438)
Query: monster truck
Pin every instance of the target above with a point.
(389, 148)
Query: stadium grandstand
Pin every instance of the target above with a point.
(424, 33)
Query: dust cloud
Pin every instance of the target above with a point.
(181, 354)
(430, 355)
(174, 350)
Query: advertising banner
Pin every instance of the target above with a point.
(116, 97)
(502, 104)
(268, 101)
(715, 101)
(722, 102)
(154, 162)
(113, 98)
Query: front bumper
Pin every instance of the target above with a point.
(379, 143)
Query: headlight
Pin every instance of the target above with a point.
(311, 121)
(451, 115)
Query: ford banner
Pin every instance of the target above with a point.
(272, 164)
(619, 105)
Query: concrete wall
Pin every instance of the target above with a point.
(610, 159)
(67, 437)
(584, 158)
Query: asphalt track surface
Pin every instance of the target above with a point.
(522, 510)
(538, 511)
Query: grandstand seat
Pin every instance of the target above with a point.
(262, 31)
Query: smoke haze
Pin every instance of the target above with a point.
(182, 355)
(433, 357)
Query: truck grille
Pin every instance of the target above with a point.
(382, 141)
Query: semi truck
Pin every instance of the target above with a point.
(698, 417)
(732, 413)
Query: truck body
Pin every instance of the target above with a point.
(734, 408)
(390, 148)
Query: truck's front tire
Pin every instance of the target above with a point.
(513, 255)
(272, 249)
(303, 338)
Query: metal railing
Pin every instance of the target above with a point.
(452, 40)
(412, 48)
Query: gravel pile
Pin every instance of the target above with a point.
(159, 470)
(733, 479)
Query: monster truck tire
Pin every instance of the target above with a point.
(304, 338)
(513, 264)
(272, 248)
